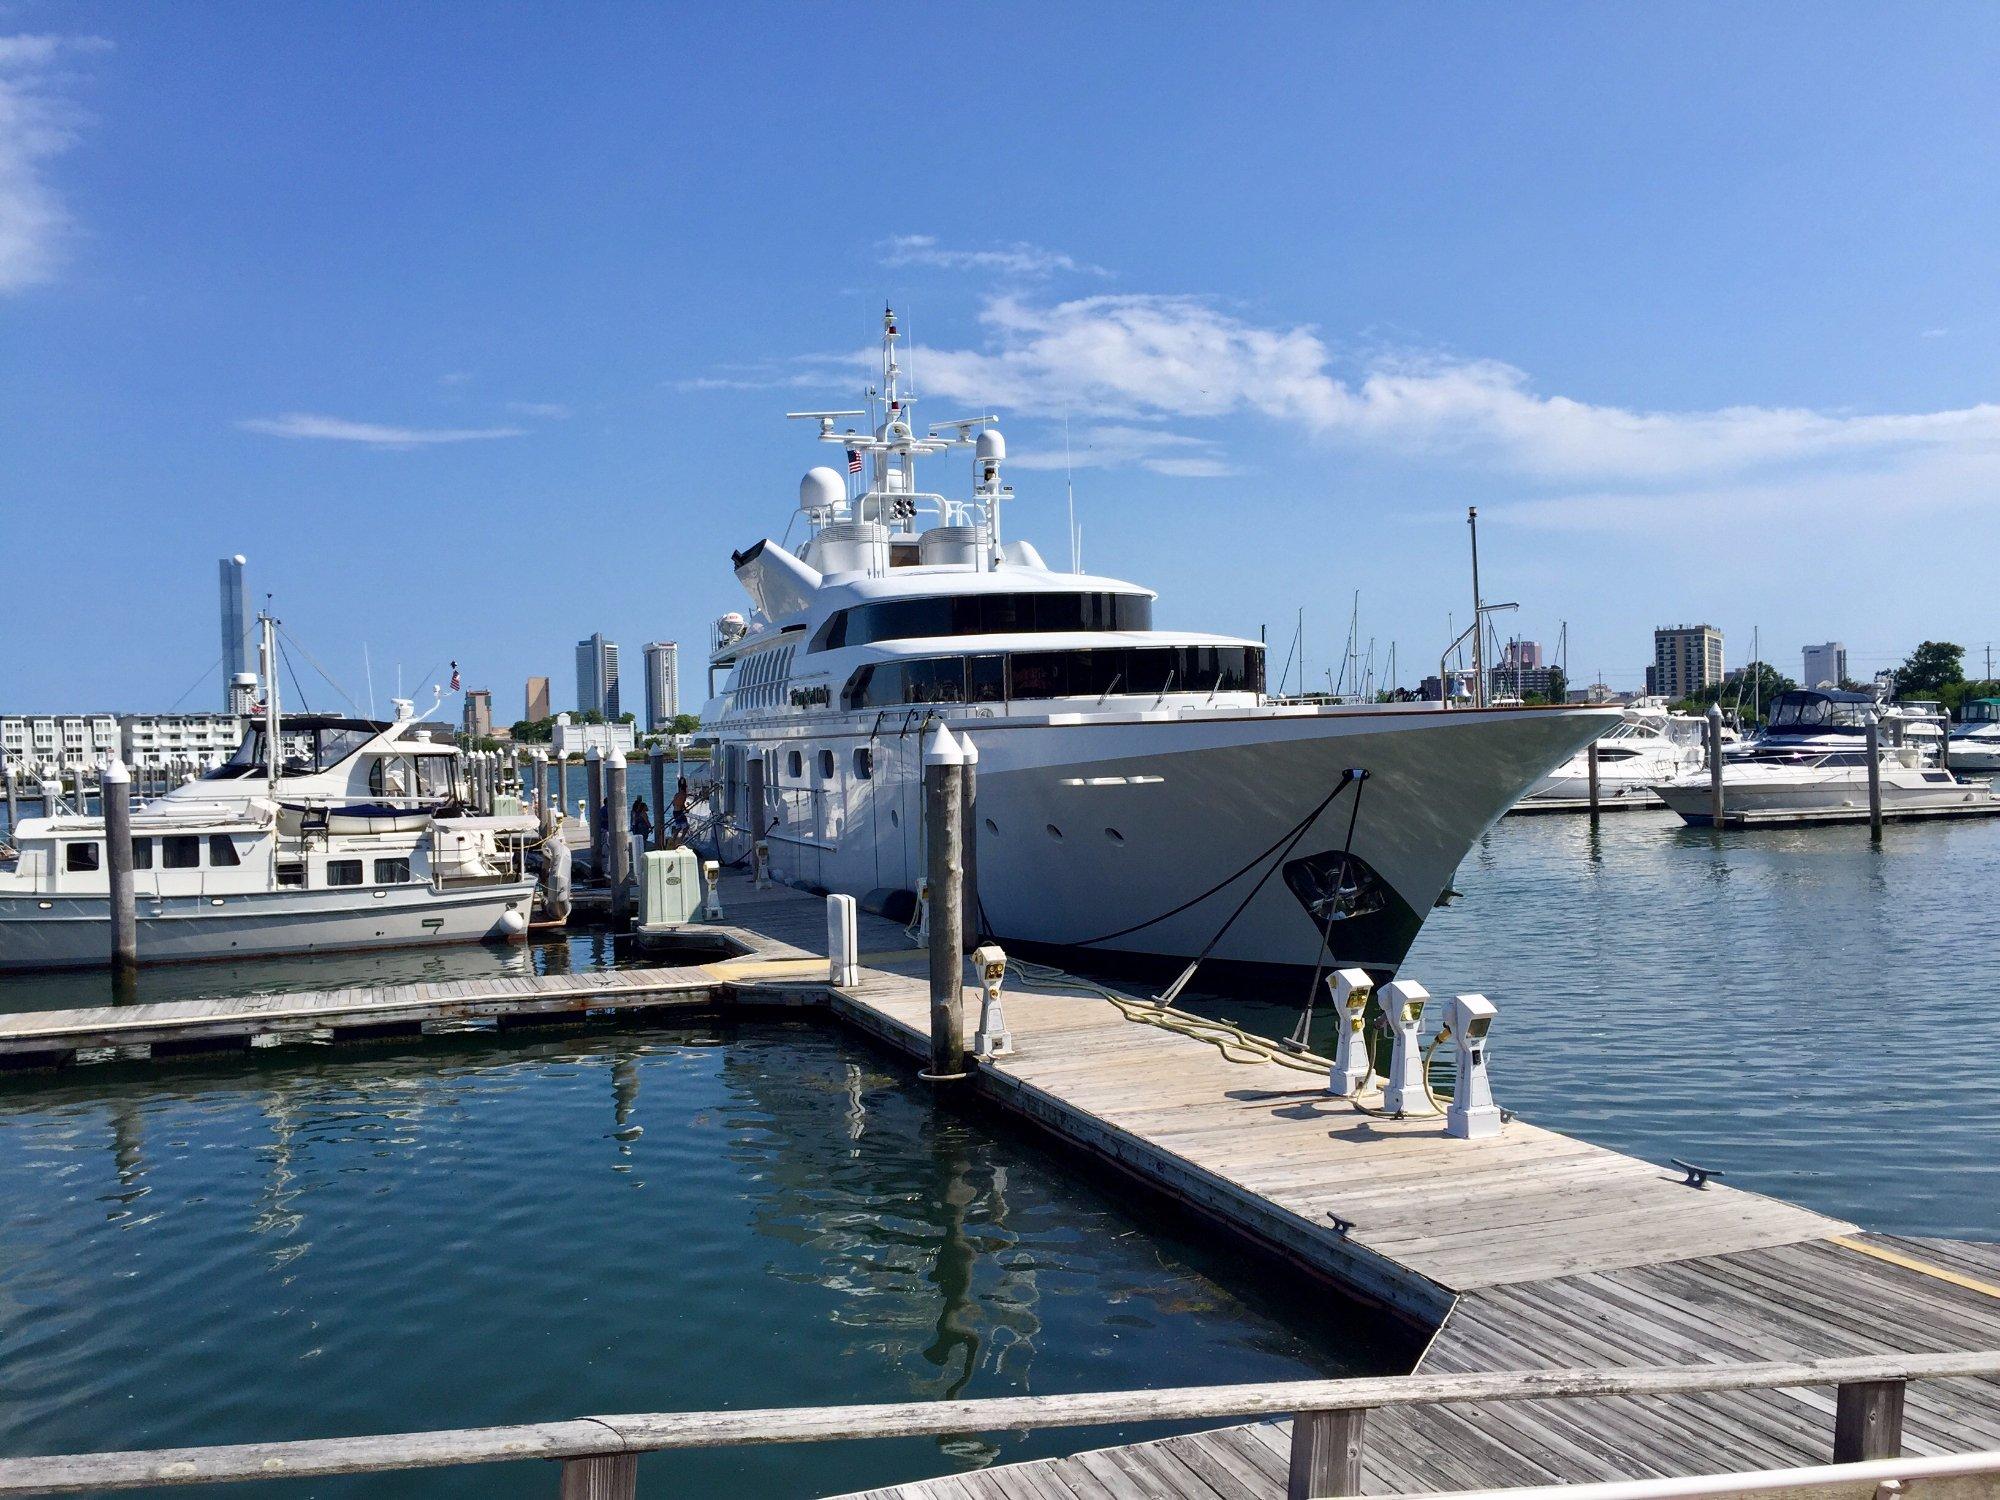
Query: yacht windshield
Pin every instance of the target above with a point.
(1095, 673)
(1818, 711)
(305, 749)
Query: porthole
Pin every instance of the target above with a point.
(894, 820)
(992, 827)
(1055, 833)
(1114, 835)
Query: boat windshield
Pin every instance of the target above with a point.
(1818, 711)
(306, 749)
(1981, 711)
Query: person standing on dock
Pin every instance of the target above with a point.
(642, 827)
(677, 827)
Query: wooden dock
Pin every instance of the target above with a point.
(1530, 1250)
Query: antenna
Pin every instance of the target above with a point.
(1069, 484)
(369, 672)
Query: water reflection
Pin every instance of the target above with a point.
(406, 1239)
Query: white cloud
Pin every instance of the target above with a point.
(36, 125)
(1017, 259)
(554, 411)
(1116, 446)
(300, 424)
(1155, 357)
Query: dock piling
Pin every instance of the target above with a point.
(968, 837)
(1590, 757)
(552, 800)
(1715, 808)
(13, 799)
(1867, 1420)
(593, 810)
(944, 782)
(117, 798)
(1875, 777)
(656, 762)
(1326, 1454)
(617, 839)
(758, 825)
(602, 1476)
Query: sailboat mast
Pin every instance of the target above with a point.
(268, 650)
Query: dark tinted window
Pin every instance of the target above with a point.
(78, 858)
(982, 614)
(343, 872)
(142, 854)
(181, 851)
(222, 850)
(391, 871)
(1097, 672)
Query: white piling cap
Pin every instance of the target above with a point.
(114, 773)
(943, 749)
(969, 750)
(1715, 713)
(593, 753)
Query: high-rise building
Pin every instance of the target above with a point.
(1527, 654)
(597, 677)
(479, 713)
(237, 648)
(537, 704)
(663, 685)
(1826, 666)
(1686, 659)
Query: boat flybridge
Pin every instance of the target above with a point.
(1139, 796)
(319, 833)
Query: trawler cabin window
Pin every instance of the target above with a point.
(142, 854)
(391, 776)
(392, 871)
(80, 859)
(181, 851)
(222, 851)
(343, 872)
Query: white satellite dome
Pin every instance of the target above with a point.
(821, 488)
(991, 447)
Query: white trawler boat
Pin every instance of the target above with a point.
(1975, 744)
(319, 833)
(1139, 796)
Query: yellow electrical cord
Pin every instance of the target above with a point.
(1221, 1035)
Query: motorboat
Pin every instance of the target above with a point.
(1141, 799)
(1649, 745)
(1807, 722)
(319, 833)
(1974, 745)
(1832, 785)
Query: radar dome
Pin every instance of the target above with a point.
(991, 447)
(821, 488)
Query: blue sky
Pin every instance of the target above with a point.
(473, 326)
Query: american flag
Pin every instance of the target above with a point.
(454, 677)
(853, 460)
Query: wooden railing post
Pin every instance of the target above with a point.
(602, 1476)
(1867, 1421)
(1326, 1453)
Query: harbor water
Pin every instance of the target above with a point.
(325, 1241)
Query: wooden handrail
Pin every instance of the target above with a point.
(647, 1432)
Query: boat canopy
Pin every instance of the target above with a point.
(1980, 711)
(1816, 708)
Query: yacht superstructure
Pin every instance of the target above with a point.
(319, 833)
(1139, 796)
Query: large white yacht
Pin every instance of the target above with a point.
(1139, 796)
(319, 833)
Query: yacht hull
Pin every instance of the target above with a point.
(1152, 840)
(1825, 796)
(74, 932)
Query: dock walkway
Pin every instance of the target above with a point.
(1528, 1250)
